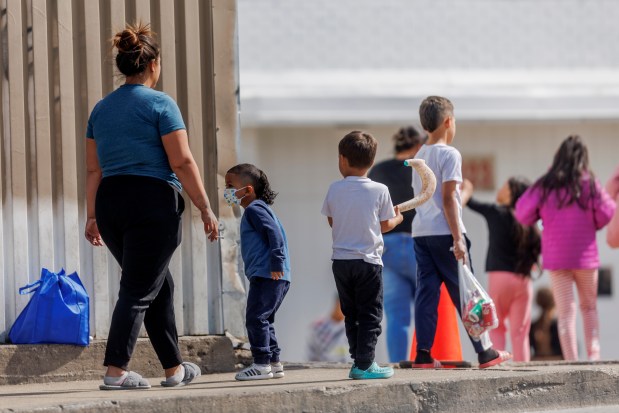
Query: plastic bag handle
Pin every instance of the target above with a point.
(22, 290)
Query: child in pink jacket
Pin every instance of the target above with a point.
(572, 206)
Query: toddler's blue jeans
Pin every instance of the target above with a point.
(264, 298)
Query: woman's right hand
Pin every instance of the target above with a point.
(211, 226)
(92, 232)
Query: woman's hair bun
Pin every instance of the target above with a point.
(136, 46)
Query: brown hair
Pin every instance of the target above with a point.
(566, 175)
(359, 148)
(528, 240)
(137, 47)
(433, 111)
(545, 299)
(406, 138)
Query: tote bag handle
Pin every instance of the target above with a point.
(30, 287)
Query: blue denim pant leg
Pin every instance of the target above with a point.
(264, 298)
(400, 283)
(436, 264)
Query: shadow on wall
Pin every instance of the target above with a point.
(20, 363)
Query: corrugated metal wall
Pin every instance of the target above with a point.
(56, 64)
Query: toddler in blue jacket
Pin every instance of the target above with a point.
(264, 249)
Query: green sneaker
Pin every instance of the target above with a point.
(373, 372)
(353, 368)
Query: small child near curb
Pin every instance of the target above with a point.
(359, 211)
(513, 253)
(264, 249)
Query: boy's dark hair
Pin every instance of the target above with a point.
(406, 138)
(528, 240)
(433, 111)
(253, 176)
(570, 164)
(359, 148)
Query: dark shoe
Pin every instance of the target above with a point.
(424, 360)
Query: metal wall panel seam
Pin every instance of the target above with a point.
(43, 135)
(198, 307)
(100, 309)
(19, 274)
(165, 16)
(68, 138)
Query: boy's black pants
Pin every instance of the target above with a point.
(360, 287)
(139, 219)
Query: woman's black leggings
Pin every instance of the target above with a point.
(139, 219)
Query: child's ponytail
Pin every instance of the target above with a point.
(263, 189)
(253, 176)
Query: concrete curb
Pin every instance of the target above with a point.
(54, 362)
(510, 389)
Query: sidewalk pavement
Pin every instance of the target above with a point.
(326, 388)
(42, 363)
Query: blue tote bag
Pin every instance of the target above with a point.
(57, 312)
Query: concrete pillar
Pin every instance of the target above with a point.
(225, 52)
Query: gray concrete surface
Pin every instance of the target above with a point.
(592, 409)
(54, 363)
(318, 388)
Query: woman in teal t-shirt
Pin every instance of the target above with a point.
(138, 161)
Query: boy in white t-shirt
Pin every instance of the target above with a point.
(359, 210)
(440, 236)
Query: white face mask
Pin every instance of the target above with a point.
(231, 198)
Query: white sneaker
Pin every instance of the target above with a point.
(278, 370)
(255, 372)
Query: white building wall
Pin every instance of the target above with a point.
(301, 162)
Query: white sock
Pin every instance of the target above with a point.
(115, 381)
(178, 377)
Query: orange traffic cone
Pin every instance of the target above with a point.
(446, 347)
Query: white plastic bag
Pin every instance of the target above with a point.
(477, 308)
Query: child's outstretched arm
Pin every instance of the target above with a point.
(466, 195)
(388, 225)
(450, 205)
